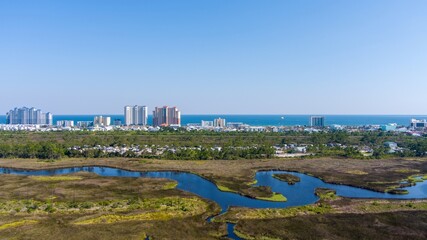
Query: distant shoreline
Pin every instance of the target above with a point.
(264, 120)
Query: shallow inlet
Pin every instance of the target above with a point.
(299, 194)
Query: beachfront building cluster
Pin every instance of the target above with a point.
(216, 123)
(136, 115)
(166, 117)
(136, 119)
(28, 116)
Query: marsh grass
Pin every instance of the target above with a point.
(131, 204)
(165, 209)
(17, 224)
(236, 213)
(389, 225)
(56, 178)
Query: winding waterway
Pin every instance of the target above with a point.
(301, 193)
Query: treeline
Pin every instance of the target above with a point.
(204, 138)
(228, 153)
(52, 150)
(235, 145)
(118, 138)
(323, 151)
(408, 147)
(42, 150)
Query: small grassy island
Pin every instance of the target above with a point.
(289, 178)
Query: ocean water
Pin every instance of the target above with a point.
(267, 120)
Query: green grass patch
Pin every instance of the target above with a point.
(357, 172)
(170, 185)
(394, 190)
(277, 197)
(415, 179)
(242, 235)
(17, 224)
(406, 170)
(326, 194)
(225, 189)
(56, 178)
(114, 218)
(256, 181)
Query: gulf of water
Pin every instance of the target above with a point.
(268, 120)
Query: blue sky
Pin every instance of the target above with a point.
(215, 56)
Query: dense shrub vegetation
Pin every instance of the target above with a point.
(234, 145)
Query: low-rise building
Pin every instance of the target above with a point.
(389, 127)
(392, 147)
(65, 123)
(418, 124)
(207, 124)
(84, 124)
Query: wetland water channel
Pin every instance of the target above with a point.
(299, 194)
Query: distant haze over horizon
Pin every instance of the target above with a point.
(215, 57)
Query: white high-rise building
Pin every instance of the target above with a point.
(26, 115)
(317, 121)
(166, 116)
(102, 121)
(136, 115)
(142, 115)
(128, 115)
(49, 118)
(107, 121)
